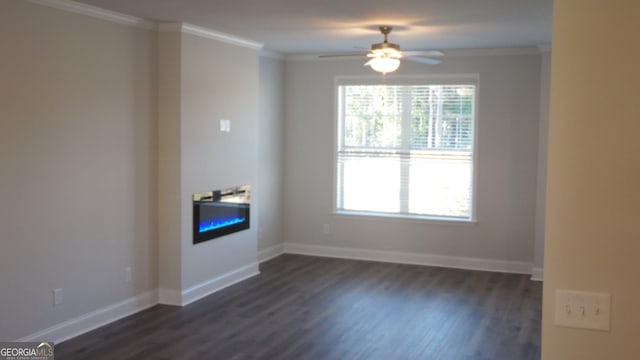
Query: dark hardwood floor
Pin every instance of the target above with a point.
(303, 307)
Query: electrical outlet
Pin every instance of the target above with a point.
(57, 296)
(127, 274)
(326, 229)
(585, 310)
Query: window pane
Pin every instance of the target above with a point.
(372, 116)
(440, 186)
(407, 149)
(442, 117)
(371, 184)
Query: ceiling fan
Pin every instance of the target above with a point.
(385, 57)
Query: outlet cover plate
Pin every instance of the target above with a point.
(127, 274)
(57, 296)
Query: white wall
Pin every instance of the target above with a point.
(270, 152)
(509, 91)
(77, 164)
(592, 233)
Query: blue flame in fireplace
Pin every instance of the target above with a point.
(219, 223)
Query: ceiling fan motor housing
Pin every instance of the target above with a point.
(385, 45)
(386, 48)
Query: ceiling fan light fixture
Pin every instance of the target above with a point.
(385, 56)
(384, 64)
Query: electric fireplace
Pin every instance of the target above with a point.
(220, 212)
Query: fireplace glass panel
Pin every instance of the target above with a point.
(220, 212)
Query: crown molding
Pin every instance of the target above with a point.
(104, 14)
(170, 27)
(272, 54)
(96, 12)
(187, 28)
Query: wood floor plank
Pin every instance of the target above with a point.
(303, 307)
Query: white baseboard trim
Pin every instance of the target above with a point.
(537, 274)
(270, 252)
(218, 283)
(458, 262)
(169, 297)
(95, 319)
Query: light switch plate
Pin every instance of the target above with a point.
(225, 125)
(585, 310)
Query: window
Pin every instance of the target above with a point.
(406, 150)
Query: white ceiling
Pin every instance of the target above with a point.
(319, 26)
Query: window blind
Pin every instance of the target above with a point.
(406, 150)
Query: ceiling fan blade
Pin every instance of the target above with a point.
(423, 60)
(342, 55)
(423, 53)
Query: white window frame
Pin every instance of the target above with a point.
(439, 79)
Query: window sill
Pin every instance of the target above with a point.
(402, 217)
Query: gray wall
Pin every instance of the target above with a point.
(507, 143)
(543, 143)
(270, 151)
(86, 171)
(78, 164)
(203, 81)
(219, 81)
(169, 164)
